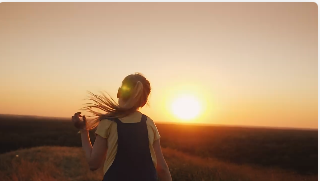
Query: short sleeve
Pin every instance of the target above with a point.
(154, 129)
(103, 128)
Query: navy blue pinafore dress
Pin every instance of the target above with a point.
(133, 161)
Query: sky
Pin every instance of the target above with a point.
(250, 64)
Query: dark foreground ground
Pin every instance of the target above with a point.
(290, 150)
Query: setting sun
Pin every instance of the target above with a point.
(186, 107)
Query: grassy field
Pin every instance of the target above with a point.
(192, 152)
(295, 150)
(69, 164)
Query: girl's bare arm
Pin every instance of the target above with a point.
(94, 154)
(162, 167)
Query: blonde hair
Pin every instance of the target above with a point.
(134, 92)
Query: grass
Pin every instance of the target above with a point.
(46, 163)
(295, 150)
(69, 164)
(193, 152)
(188, 167)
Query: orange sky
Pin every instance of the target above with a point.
(248, 63)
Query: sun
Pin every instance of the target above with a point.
(186, 107)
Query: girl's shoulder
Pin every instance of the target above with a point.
(106, 122)
(150, 122)
(104, 128)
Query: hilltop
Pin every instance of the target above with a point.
(68, 164)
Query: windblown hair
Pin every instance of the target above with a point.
(134, 91)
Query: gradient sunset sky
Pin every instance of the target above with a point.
(250, 64)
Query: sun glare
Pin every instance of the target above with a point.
(186, 107)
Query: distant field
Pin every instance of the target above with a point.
(275, 149)
(295, 150)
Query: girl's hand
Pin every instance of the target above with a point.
(78, 123)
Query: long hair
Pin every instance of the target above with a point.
(133, 93)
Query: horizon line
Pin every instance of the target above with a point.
(186, 123)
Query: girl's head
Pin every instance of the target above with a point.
(132, 95)
(134, 91)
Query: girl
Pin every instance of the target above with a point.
(127, 141)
